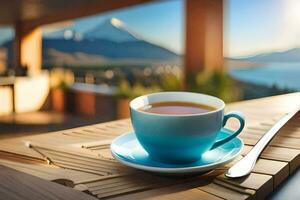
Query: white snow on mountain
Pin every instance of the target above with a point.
(111, 29)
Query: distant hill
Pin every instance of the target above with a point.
(106, 42)
(110, 49)
(58, 58)
(291, 55)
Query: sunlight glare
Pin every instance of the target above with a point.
(291, 22)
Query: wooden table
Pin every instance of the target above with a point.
(80, 158)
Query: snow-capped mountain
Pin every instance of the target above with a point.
(108, 41)
(112, 29)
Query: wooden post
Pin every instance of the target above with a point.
(31, 50)
(204, 36)
(17, 47)
(27, 49)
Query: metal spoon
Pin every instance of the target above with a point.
(246, 164)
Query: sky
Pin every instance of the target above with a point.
(161, 23)
(258, 26)
(250, 26)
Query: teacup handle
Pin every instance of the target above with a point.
(235, 114)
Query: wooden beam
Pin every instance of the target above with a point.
(204, 36)
(82, 10)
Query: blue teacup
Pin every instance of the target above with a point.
(180, 138)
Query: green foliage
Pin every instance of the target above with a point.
(125, 90)
(209, 82)
(167, 82)
(216, 83)
(171, 82)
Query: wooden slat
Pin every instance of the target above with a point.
(278, 141)
(72, 165)
(105, 153)
(93, 144)
(262, 184)
(50, 172)
(110, 164)
(19, 157)
(291, 156)
(20, 186)
(129, 183)
(227, 192)
(68, 158)
(191, 194)
(279, 170)
(187, 191)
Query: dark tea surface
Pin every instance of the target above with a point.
(176, 108)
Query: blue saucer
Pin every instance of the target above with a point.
(128, 151)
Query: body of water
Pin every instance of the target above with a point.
(283, 75)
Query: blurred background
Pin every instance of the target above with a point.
(69, 63)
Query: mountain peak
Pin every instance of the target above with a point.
(116, 22)
(112, 29)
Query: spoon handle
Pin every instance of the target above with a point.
(246, 164)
